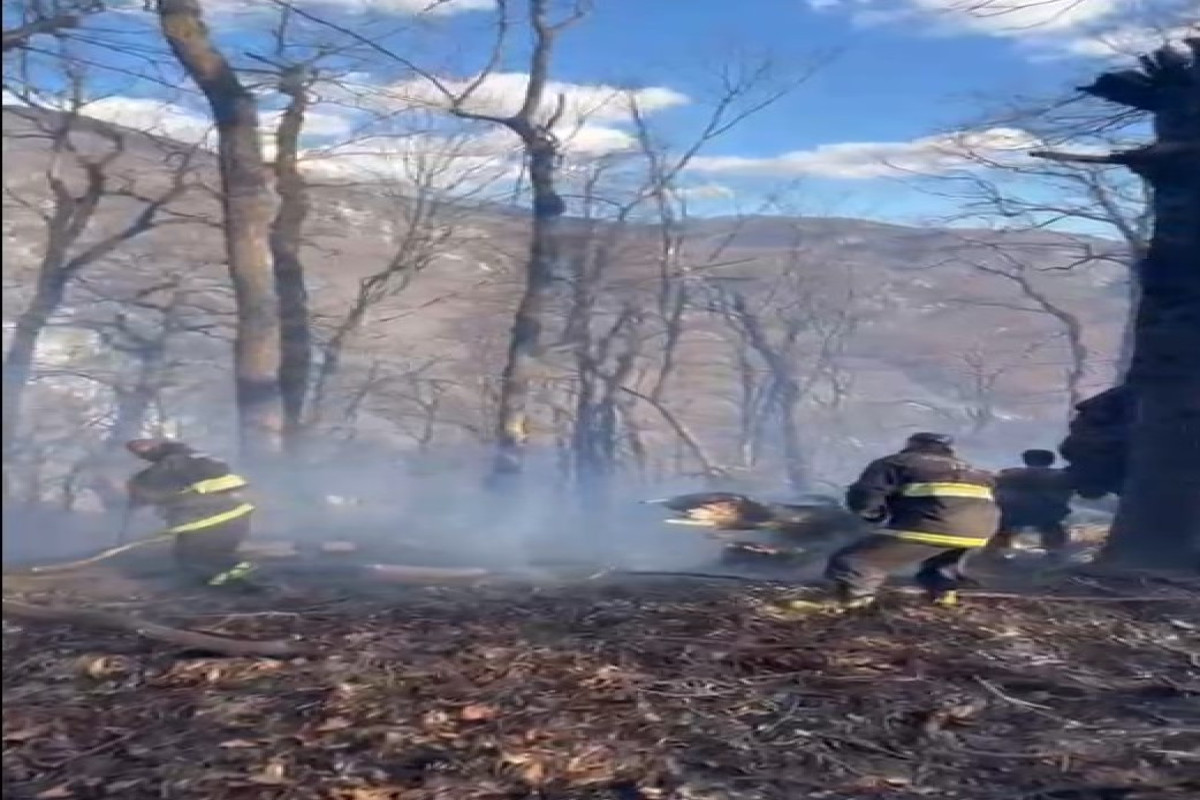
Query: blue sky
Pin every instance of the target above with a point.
(898, 76)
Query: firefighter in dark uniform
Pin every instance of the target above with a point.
(934, 508)
(1035, 496)
(203, 504)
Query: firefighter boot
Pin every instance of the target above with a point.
(944, 599)
(238, 577)
(838, 603)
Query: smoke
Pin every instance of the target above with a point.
(434, 510)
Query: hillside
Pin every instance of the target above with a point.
(936, 343)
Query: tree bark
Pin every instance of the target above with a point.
(1158, 522)
(525, 340)
(286, 240)
(248, 211)
(22, 347)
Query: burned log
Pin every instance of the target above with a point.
(769, 533)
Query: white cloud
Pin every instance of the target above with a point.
(1072, 27)
(929, 155)
(1129, 40)
(706, 191)
(442, 163)
(321, 124)
(152, 116)
(177, 122)
(502, 93)
(584, 140)
(398, 7)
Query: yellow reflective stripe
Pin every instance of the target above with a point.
(222, 484)
(234, 573)
(939, 539)
(947, 490)
(215, 519)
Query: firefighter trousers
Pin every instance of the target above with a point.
(861, 568)
(208, 553)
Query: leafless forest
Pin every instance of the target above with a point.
(479, 309)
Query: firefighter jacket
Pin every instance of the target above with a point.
(926, 497)
(192, 491)
(1034, 494)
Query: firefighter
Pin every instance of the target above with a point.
(934, 508)
(1034, 496)
(203, 504)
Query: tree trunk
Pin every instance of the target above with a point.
(795, 465)
(526, 337)
(1158, 524)
(22, 348)
(1128, 330)
(286, 239)
(248, 211)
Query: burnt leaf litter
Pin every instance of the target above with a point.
(621, 689)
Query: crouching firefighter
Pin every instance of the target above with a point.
(203, 504)
(934, 509)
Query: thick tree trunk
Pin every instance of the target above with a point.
(1159, 519)
(286, 239)
(248, 210)
(1158, 523)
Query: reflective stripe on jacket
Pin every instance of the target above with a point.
(929, 497)
(192, 491)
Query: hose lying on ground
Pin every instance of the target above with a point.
(103, 555)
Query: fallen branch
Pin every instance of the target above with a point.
(151, 630)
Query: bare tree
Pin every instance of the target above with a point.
(535, 129)
(83, 182)
(1158, 523)
(140, 339)
(1015, 266)
(1065, 197)
(248, 214)
(287, 237)
(48, 17)
(426, 209)
(798, 326)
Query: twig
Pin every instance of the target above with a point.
(1016, 701)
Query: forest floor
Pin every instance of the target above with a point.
(626, 689)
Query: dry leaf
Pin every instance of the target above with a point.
(273, 774)
(478, 711)
(24, 734)
(237, 744)
(334, 724)
(55, 793)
